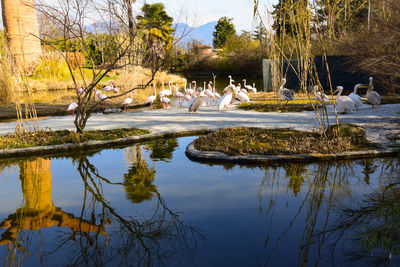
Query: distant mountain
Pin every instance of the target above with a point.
(202, 33)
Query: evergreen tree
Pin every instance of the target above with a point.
(223, 31)
(285, 14)
(260, 33)
(157, 22)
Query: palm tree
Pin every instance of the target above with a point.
(21, 25)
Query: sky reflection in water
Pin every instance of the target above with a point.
(150, 205)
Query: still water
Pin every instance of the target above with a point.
(62, 95)
(149, 205)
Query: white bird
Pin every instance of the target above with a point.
(344, 103)
(355, 97)
(108, 88)
(165, 92)
(72, 107)
(373, 97)
(166, 101)
(243, 97)
(230, 80)
(196, 103)
(127, 101)
(115, 89)
(253, 89)
(285, 93)
(226, 99)
(152, 98)
(178, 95)
(216, 94)
(101, 97)
(319, 96)
(247, 86)
(80, 91)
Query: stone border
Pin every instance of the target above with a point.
(214, 156)
(59, 149)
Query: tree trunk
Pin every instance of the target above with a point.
(21, 25)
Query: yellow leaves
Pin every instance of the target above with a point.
(154, 32)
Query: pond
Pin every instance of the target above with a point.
(150, 205)
(65, 95)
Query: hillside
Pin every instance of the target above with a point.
(201, 33)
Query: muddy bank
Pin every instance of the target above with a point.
(8, 111)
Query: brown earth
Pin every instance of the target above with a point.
(8, 111)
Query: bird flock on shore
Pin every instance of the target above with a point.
(194, 97)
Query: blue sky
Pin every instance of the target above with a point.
(198, 12)
(202, 11)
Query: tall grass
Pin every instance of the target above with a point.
(5, 71)
(51, 65)
(138, 76)
(15, 87)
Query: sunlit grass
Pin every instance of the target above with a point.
(246, 141)
(45, 138)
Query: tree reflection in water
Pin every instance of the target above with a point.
(162, 149)
(99, 235)
(373, 221)
(369, 232)
(138, 181)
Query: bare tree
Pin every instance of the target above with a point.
(113, 18)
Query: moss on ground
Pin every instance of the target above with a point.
(259, 141)
(45, 138)
(273, 106)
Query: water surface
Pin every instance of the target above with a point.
(149, 205)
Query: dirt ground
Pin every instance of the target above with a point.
(8, 111)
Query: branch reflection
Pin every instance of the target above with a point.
(323, 207)
(101, 234)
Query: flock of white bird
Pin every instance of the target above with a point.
(194, 97)
(344, 103)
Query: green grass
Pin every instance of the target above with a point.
(259, 141)
(273, 106)
(45, 138)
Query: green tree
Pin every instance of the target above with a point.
(285, 14)
(223, 30)
(260, 33)
(157, 23)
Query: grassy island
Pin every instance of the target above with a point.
(260, 141)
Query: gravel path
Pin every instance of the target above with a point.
(379, 122)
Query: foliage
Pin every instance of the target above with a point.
(101, 48)
(241, 55)
(284, 14)
(341, 16)
(260, 33)
(276, 107)
(259, 141)
(223, 31)
(157, 23)
(51, 65)
(376, 50)
(138, 182)
(45, 138)
(162, 149)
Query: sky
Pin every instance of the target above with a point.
(199, 12)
